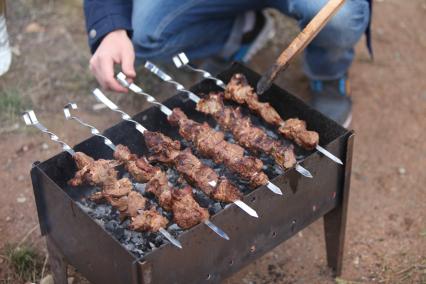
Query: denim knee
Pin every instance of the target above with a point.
(147, 18)
(345, 28)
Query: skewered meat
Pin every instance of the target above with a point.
(212, 144)
(294, 129)
(91, 171)
(116, 192)
(121, 204)
(139, 168)
(186, 211)
(135, 203)
(148, 220)
(164, 149)
(117, 188)
(188, 165)
(244, 132)
(241, 92)
(159, 186)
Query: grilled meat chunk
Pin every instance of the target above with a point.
(135, 203)
(188, 165)
(295, 129)
(244, 132)
(195, 172)
(91, 171)
(211, 143)
(164, 149)
(148, 220)
(241, 92)
(120, 203)
(117, 188)
(226, 191)
(186, 211)
(139, 168)
(158, 185)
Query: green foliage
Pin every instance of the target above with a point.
(11, 105)
(25, 261)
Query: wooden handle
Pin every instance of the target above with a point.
(301, 41)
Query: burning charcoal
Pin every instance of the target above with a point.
(202, 198)
(168, 215)
(140, 187)
(175, 230)
(114, 228)
(129, 246)
(102, 210)
(159, 240)
(215, 208)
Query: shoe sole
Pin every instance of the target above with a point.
(267, 33)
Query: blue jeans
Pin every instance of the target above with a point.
(202, 28)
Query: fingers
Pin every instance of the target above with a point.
(127, 65)
(103, 69)
(115, 48)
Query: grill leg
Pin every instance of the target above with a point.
(334, 228)
(335, 220)
(57, 262)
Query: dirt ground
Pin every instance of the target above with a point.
(386, 230)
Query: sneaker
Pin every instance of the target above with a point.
(331, 98)
(259, 29)
(257, 35)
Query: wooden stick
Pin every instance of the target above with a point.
(299, 43)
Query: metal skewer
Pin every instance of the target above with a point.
(181, 60)
(110, 144)
(93, 130)
(150, 66)
(157, 71)
(31, 119)
(103, 99)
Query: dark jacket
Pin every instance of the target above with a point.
(105, 16)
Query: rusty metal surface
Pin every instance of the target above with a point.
(204, 258)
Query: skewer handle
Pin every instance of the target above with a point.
(121, 77)
(181, 60)
(299, 43)
(93, 130)
(165, 77)
(31, 119)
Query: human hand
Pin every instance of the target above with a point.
(115, 48)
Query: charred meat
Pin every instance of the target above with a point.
(244, 132)
(186, 211)
(240, 91)
(211, 143)
(93, 172)
(148, 220)
(189, 166)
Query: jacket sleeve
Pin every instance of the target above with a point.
(105, 16)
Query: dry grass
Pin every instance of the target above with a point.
(25, 263)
